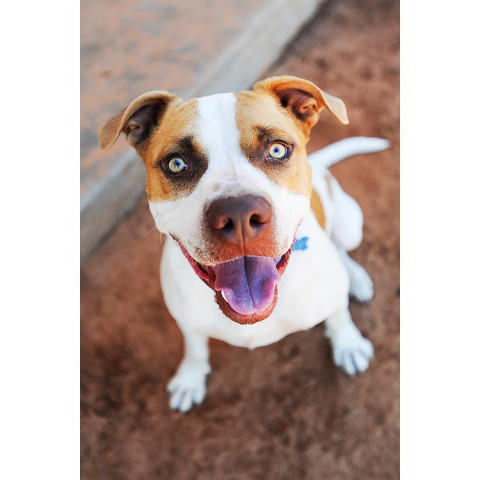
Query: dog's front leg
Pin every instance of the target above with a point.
(351, 351)
(188, 386)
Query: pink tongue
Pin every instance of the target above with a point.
(248, 283)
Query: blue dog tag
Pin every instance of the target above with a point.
(300, 244)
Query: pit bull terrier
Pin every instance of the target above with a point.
(257, 234)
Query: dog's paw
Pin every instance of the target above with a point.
(351, 352)
(187, 387)
(361, 285)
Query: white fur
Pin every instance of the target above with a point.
(351, 352)
(314, 287)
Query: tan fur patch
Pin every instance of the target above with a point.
(317, 208)
(261, 120)
(177, 123)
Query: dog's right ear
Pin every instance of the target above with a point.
(303, 99)
(136, 120)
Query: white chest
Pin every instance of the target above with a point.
(314, 285)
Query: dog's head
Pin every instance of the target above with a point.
(228, 180)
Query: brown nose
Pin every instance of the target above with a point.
(239, 220)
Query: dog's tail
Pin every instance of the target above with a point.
(334, 153)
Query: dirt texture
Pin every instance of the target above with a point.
(282, 411)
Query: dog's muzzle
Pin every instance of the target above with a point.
(246, 276)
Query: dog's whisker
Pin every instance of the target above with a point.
(149, 231)
(158, 246)
(163, 223)
(163, 238)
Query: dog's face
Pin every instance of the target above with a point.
(228, 180)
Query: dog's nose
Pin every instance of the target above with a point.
(239, 219)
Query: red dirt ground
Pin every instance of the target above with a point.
(277, 412)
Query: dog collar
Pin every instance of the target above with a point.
(300, 244)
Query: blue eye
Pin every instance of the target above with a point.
(177, 165)
(278, 151)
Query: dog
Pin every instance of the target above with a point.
(257, 234)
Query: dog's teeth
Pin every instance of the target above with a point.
(223, 295)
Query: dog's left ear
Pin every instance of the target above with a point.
(136, 120)
(303, 99)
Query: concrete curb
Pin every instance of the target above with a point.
(242, 63)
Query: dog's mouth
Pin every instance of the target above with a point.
(246, 288)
